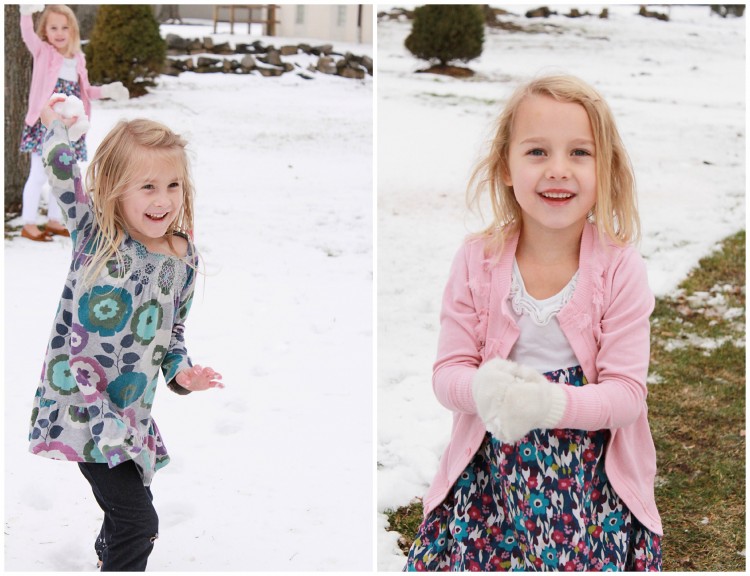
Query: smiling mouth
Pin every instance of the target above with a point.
(157, 217)
(557, 195)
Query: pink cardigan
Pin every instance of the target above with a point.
(607, 325)
(47, 64)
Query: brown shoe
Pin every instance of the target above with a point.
(36, 237)
(58, 230)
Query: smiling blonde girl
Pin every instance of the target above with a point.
(543, 355)
(120, 322)
(59, 67)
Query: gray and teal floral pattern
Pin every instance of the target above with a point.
(110, 340)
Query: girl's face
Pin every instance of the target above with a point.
(57, 30)
(153, 200)
(552, 164)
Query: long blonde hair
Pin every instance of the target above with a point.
(74, 43)
(115, 166)
(615, 213)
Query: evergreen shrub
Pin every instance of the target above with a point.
(125, 45)
(445, 32)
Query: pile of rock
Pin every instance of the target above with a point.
(257, 57)
(653, 14)
(545, 12)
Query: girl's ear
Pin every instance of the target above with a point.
(505, 174)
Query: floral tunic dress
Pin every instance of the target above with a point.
(110, 340)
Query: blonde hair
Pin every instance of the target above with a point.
(615, 212)
(116, 164)
(74, 43)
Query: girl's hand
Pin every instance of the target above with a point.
(48, 115)
(116, 91)
(28, 9)
(512, 400)
(198, 378)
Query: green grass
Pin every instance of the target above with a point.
(697, 415)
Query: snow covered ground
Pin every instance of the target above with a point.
(677, 90)
(275, 471)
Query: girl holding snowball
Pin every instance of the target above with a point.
(59, 67)
(543, 355)
(120, 321)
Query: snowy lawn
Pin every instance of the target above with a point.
(275, 471)
(677, 91)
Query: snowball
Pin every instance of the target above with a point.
(73, 106)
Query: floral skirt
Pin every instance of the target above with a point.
(543, 503)
(33, 136)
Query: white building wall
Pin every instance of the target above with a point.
(328, 22)
(325, 22)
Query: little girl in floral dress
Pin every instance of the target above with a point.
(543, 356)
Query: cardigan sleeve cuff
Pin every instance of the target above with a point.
(461, 395)
(558, 401)
(583, 411)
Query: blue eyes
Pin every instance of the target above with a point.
(578, 152)
(151, 187)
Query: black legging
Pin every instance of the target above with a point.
(130, 522)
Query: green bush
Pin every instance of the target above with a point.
(126, 45)
(447, 32)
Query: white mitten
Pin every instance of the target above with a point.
(28, 9)
(115, 91)
(73, 106)
(512, 400)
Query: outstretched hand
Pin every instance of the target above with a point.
(29, 9)
(48, 115)
(198, 378)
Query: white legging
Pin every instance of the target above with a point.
(32, 194)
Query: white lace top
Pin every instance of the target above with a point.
(68, 70)
(542, 344)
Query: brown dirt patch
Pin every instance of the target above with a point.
(448, 70)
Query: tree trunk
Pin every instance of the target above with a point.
(17, 81)
(86, 16)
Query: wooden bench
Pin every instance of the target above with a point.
(267, 10)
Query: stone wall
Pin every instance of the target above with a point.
(206, 57)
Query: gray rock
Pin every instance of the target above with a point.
(223, 48)
(351, 72)
(205, 62)
(274, 57)
(367, 63)
(270, 71)
(195, 46)
(323, 50)
(176, 42)
(326, 65)
(248, 62)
